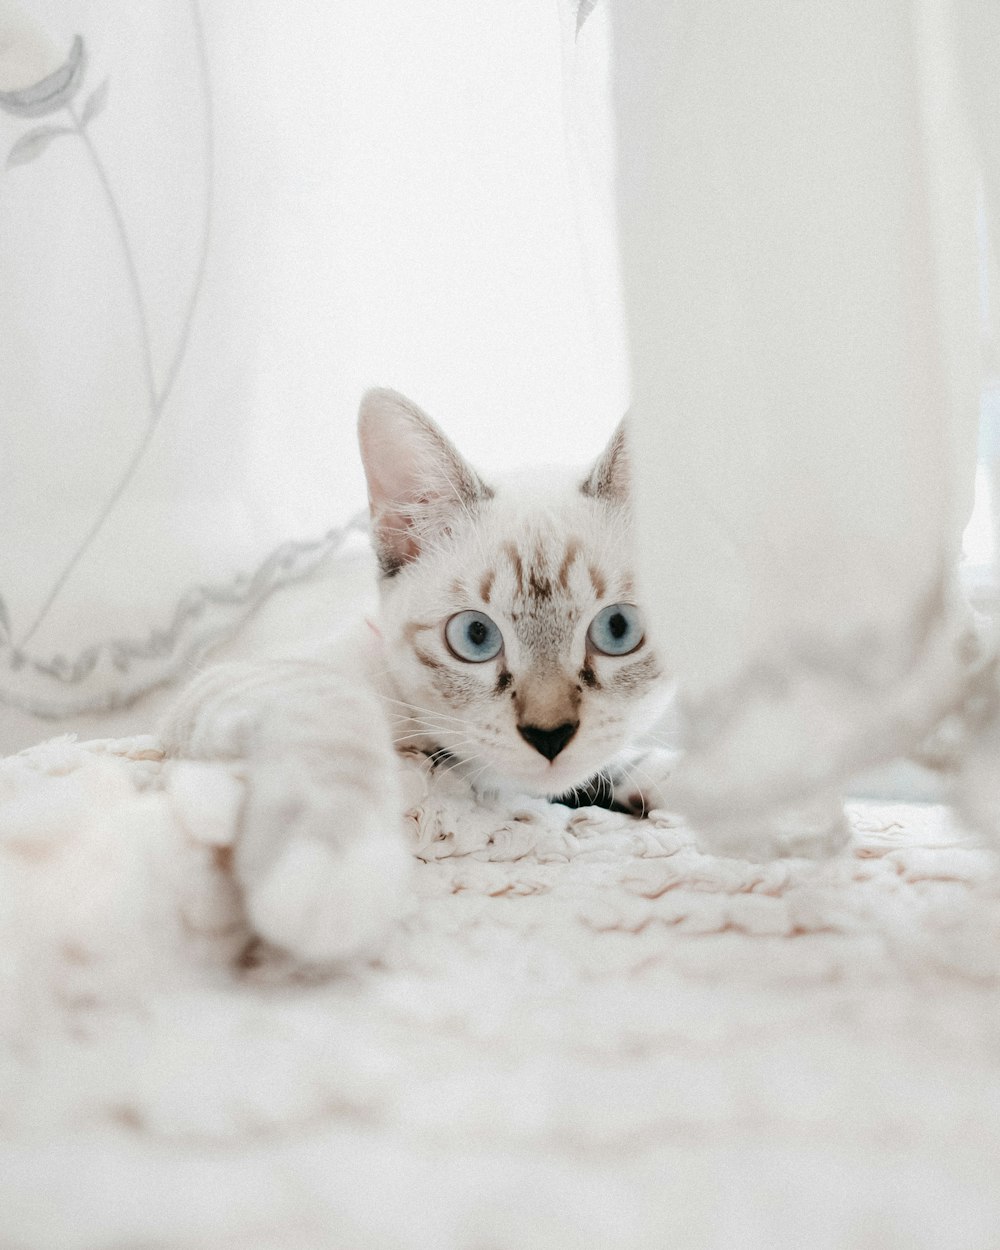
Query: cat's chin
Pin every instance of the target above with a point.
(548, 781)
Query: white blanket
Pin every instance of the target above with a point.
(586, 1034)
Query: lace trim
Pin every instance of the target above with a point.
(116, 672)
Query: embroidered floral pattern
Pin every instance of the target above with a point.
(51, 93)
(52, 97)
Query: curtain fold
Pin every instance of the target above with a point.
(797, 190)
(217, 228)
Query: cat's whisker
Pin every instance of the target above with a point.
(456, 762)
(414, 712)
(425, 722)
(410, 705)
(470, 779)
(629, 775)
(422, 717)
(632, 768)
(479, 772)
(428, 727)
(423, 734)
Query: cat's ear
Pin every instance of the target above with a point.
(610, 477)
(417, 480)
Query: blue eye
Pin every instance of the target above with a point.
(616, 630)
(473, 636)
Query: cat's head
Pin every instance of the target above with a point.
(508, 609)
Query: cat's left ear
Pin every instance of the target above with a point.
(610, 478)
(418, 482)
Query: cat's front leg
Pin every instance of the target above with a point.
(320, 852)
(639, 780)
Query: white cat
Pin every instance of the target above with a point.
(508, 651)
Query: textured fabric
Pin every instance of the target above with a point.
(586, 1033)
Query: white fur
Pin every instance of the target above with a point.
(536, 506)
(321, 854)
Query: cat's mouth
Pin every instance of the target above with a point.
(572, 770)
(553, 778)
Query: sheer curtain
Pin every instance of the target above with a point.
(798, 189)
(218, 224)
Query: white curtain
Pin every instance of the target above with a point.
(798, 189)
(219, 223)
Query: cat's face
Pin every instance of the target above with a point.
(509, 612)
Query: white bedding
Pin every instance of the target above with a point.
(586, 1034)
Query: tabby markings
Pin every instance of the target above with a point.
(589, 678)
(410, 631)
(636, 675)
(572, 551)
(516, 564)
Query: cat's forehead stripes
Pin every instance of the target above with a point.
(541, 585)
(544, 586)
(572, 552)
(517, 566)
(541, 572)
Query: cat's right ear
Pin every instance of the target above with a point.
(417, 480)
(610, 478)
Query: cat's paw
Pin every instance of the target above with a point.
(324, 903)
(641, 781)
(324, 866)
(216, 716)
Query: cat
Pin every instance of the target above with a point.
(508, 652)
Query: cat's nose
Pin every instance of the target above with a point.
(549, 742)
